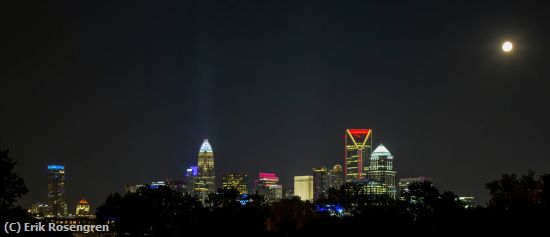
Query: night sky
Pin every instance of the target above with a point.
(124, 92)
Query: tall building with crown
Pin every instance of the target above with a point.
(336, 176)
(381, 169)
(358, 147)
(205, 181)
(268, 186)
(56, 190)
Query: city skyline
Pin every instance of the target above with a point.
(371, 173)
(124, 92)
(200, 179)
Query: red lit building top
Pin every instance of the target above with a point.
(269, 176)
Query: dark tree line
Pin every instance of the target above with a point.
(522, 203)
(518, 204)
(165, 212)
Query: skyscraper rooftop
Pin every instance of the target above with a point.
(381, 150)
(55, 167)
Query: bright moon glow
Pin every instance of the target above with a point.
(507, 46)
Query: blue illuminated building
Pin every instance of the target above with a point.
(194, 171)
(56, 167)
(155, 185)
(190, 178)
(56, 190)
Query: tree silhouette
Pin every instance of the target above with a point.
(511, 192)
(516, 202)
(12, 187)
(224, 199)
(158, 212)
(109, 211)
(290, 215)
(545, 191)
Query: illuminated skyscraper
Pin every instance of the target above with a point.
(190, 178)
(56, 190)
(237, 180)
(381, 169)
(303, 187)
(336, 176)
(205, 182)
(268, 186)
(265, 179)
(321, 181)
(358, 147)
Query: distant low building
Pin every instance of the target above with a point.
(174, 184)
(403, 184)
(83, 208)
(39, 210)
(371, 187)
(288, 193)
(275, 193)
(73, 221)
(156, 184)
(303, 187)
(134, 187)
(177, 185)
(468, 201)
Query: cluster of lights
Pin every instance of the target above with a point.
(333, 210)
(155, 185)
(194, 170)
(244, 199)
(56, 167)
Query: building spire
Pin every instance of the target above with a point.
(206, 147)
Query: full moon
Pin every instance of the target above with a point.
(507, 46)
